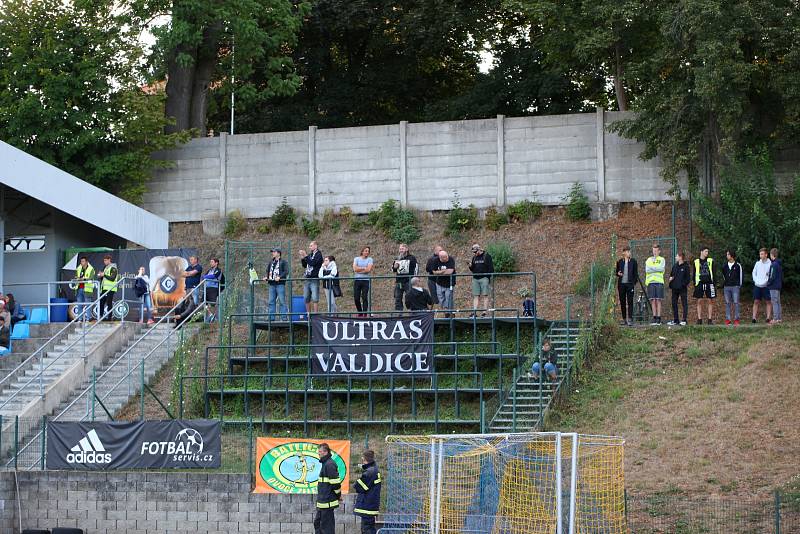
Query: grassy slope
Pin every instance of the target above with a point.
(703, 410)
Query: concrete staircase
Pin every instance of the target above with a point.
(24, 386)
(528, 399)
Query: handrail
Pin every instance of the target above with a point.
(127, 351)
(80, 317)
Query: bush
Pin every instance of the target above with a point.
(284, 216)
(345, 212)
(495, 219)
(503, 257)
(235, 224)
(263, 228)
(602, 271)
(356, 225)
(524, 211)
(396, 223)
(311, 227)
(460, 218)
(578, 208)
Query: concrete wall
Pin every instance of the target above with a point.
(150, 503)
(488, 162)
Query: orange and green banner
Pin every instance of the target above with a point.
(286, 465)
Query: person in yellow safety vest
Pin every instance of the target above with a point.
(329, 491)
(704, 289)
(655, 266)
(108, 286)
(85, 276)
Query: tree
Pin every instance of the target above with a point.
(68, 92)
(210, 45)
(721, 80)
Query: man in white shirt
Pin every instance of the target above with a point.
(761, 279)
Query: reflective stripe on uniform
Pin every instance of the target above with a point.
(367, 512)
(332, 504)
(330, 480)
(361, 483)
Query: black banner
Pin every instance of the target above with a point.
(344, 346)
(179, 444)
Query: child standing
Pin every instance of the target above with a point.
(775, 284)
(679, 278)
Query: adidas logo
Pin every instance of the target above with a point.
(89, 450)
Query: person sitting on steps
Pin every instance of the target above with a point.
(548, 360)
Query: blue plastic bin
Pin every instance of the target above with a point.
(298, 308)
(58, 310)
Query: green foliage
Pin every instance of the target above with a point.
(602, 271)
(356, 224)
(460, 218)
(69, 93)
(235, 224)
(751, 213)
(284, 216)
(503, 257)
(263, 228)
(495, 219)
(399, 224)
(524, 211)
(311, 227)
(577, 208)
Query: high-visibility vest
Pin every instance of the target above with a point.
(697, 270)
(108, 283)
(86, 276)
(654, 270)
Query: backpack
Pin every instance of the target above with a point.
(528, 308)
(139, 287)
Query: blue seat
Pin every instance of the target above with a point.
(21, 331)
(38, 316)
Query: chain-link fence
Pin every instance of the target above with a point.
(641, 249)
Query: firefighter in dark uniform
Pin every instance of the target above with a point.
(368, 488)
(329, 491)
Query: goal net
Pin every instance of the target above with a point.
(522, 483)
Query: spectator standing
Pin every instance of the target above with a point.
(430, 265)
(192, 276)
(277, 272)
(329, 488)
(311, 263)
(214, 283)
(418, 298)
(732, 276)
(627, 276)
(655, 266)
(330, 281)
(548, 361)
(108, 286)
(761, 280)
(679, 279)
(704, 288)
(5, 336)
(445, 270)
(362, 267)
(141, 286)
(368, 488)
(775, 284)
(85, 275)
(482, 269)
(405, 267)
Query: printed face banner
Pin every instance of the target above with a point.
(345, 346)
(179, 444)
(286, 465)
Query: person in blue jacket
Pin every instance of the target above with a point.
(368, 488)
(775, 284)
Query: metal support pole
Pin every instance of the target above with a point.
(573, 483)
(44, 442)
(94, 393)
(559, 516)
(439, 486)
(514, 401)
(16, 440)
(141, 406)
(431, 490)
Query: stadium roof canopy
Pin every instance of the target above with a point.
(63, 191)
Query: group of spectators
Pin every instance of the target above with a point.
(9, 316)
(321, 273)
(767, 278)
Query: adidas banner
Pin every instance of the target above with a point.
(392, 345)
(179, 444)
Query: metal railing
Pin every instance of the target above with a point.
(42, 368)
(88, 305)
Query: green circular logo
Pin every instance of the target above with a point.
(294, 467)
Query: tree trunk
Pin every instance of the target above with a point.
(619, 87)
(179, 90)
(204, 70)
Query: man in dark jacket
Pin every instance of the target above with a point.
(731, 286)
(277, 273)
(433, 261)
(184, 310)
(482, 269)
(627, 275)
(404, 267)
(775, 284)
(368, 488)
(329, 491)
(679, 279)
(311, 263)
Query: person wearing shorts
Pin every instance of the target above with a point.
(311, 262)
(704, 289)
(655, 266)
(482, 269)
(761, 280)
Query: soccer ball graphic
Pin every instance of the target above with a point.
(193, 439)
